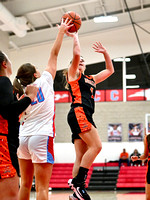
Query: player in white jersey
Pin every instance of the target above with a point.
(39, 116)
(37, 130)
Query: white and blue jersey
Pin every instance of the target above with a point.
(39, 116)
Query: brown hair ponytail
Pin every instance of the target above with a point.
(25, 76)
(17, 87)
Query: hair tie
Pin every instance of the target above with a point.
(18, 79)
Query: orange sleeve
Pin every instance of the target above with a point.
(127, 155)
(121, 155)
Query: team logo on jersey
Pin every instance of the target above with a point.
(90, 82)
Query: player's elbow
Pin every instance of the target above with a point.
(112, 71)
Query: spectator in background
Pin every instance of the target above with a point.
(124, 158)
(137, 162)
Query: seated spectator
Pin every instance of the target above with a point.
(124, 158)
(137, 162)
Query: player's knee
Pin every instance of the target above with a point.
(98, 148)
(26, 185)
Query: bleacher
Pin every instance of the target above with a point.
(104, 178)
(62, 172)
(101, 176)
(131, 177)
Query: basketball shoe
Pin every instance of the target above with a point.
(79, 189)
(73, 197)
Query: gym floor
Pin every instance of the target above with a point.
(97, 195)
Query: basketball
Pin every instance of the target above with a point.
(76, 20)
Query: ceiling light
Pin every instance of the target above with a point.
(130, 76)
(103, 19)
(121, 59)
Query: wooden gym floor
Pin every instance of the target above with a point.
(97, 195)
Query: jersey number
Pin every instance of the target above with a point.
(40, 97)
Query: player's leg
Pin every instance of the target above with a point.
(93, 142)
(26, 168)
(41, 148)
(9, 188)
(43, 173)
(92, 139)
(27, 171)
(147, 188)
(80, 149)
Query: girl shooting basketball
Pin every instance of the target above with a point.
(85, 136)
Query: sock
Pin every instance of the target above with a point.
(82, 175)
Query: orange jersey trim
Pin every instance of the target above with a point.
(83, 122)
(76, 90)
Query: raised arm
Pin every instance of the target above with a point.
(52, 62)
(72, 71)
(104, 74)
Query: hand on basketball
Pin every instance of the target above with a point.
(75, 20)
(71, 34)
(65, 25)
(99, 47)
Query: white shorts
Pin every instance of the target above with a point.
(39, 149)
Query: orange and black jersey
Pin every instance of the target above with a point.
(10, 108)
(83, 91)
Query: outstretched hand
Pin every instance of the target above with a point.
(99, 47)
(65, 25)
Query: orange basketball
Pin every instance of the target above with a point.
(76, 20)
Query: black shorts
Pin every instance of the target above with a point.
(80, 120)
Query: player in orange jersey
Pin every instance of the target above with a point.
(85, 136)
(10, 108)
